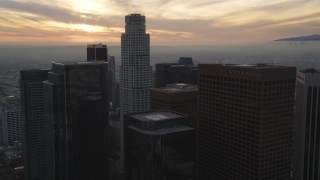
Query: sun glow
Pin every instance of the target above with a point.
(87, 28)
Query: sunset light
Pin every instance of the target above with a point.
(205, 22)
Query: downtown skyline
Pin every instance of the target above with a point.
(173, 22)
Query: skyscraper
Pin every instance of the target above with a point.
(159, 146)
(36, 131)
(10, 121)
(135, 69)
(306, 160)
(170, 73)
(97, 52)
(76, 104)
(245, 121)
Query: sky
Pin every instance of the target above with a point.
(169, 22)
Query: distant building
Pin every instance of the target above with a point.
(10, 121)
(37, 138)
(158, 146)
(135, 69)
(245, 125)
(178, 97)
(188, 61)
(306, 158)
(170, 73)
(97, 52)
(76, 104)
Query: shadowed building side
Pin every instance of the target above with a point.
(182, 98)
(306, 157)
(158, 146)
(77, 104)
(245, 125)
(37, 139)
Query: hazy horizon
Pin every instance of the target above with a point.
(15, 58)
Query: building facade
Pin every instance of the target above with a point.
(112, 79)
(10, 121)
(135, 69)
(182, 98)
(170, 73)
(99, 52)
(245, 125)
(158, 146)
(36, 130)
(306, 164)
(76, 104)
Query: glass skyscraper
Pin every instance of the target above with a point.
(76, 104)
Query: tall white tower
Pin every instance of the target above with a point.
(135, 69)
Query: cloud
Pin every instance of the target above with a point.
(203, 21)
(56, 13)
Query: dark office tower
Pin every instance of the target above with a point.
(306, 162)
(97, 52)
(170, 73)
(112, 81)
(36, 131)
(76, 103)
(186, 61)
(158, 146)
(135, 69)
(245, 124)
(117, 96)
(182, 98)
(165, 74)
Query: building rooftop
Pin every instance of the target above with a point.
(177, 88)
(162, 131)
(96, 45)
(155, 116)
(251, 66)
(78, 63)
(258, 66)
